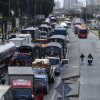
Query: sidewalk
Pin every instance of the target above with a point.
(73, 53)
(72, 73)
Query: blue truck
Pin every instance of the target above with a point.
(60, 31)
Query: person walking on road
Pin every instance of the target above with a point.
(82, 59)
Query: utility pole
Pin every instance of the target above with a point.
(17, 8)
(86, 12)
(9, 10)
(8, 29)
(35, 15)
(41, 7)
(28, 11)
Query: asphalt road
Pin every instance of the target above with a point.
(90, 75)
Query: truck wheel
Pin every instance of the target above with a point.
(47, 90)
(52, 80)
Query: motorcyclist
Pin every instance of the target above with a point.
(90, 56)
(90, 59)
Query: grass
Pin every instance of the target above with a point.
(95, 31)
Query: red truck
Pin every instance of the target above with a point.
(22, 81)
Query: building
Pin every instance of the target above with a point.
(70, 4)
(97, 2)
(57, 4)
(91, 2)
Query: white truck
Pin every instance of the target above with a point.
(34, 31)
(5, 92)
(18, 42)
(26, 36)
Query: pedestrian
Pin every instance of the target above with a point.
(82, 59)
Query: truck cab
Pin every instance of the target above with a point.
(21, 79)
(22, 89)
(41, 79)
(56, 64)
(44, 63)
(43, 35)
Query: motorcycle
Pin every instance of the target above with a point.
(90, 61)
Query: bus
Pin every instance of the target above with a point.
(76, 29)
(82, 32)
(6, 92)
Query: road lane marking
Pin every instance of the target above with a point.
(53, 97)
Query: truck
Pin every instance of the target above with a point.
(27, 53)
(56, 64)
(35, 33)
(60, 19)
(43, 35)
(18, 42)
(19, 35)
(26, 36)
(44, 63)
(21, 79)
(5, 92)
(6, 52)
(45, 28)
(60, 31)
(43, 42)
(41, 79)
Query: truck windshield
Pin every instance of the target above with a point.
(43, 34)
(25, 49)
(22, 92)
(40, 71)
(54, 61)
(43, 29)
(42, 42)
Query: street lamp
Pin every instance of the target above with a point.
(9, 21)
(35, 15)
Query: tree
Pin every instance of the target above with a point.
(19, 7)
(46, 6)
(86, 15)
(25, 7)
(4, 6)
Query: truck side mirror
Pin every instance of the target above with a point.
(65, 61)
(32, 96)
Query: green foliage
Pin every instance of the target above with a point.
(23, 21)
(44, 7)
(86, 15)
(4, 10)
(21, 8)
(99, 32)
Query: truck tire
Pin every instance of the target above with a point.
(52, 80)
(47, 90)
